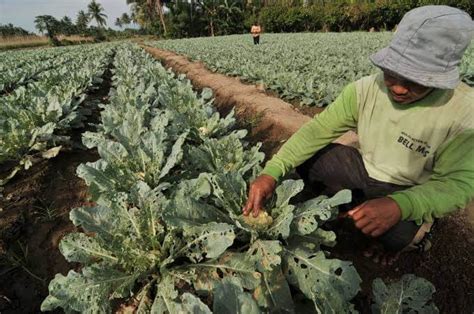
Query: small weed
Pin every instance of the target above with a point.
(18, 259)
(46, 211)
(251, 123)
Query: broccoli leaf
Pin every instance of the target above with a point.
(410, 294)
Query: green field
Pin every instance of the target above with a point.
(310, 67)
(161, 230)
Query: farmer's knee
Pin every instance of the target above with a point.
(399, 236)
(405, 235)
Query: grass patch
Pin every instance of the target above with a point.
(19, 42)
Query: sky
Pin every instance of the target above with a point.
(22, 12)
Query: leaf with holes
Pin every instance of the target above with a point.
(265, 254)
(329, 283)
(410, 294)
(86, 292)
(312, 213)
(230, 264)
(207, 241)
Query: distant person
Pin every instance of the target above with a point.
(415, 122)
(256, 30)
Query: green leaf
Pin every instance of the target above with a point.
(330, 283)
(80, 248)
(265, 254)
(410, 294)
(229, 297)
(167, 301)
(175, 156)
(99, 219)
(237, 265)
(207, 241)
(229, 192)
(192, 304)
(312, 213)
(89, 291)
(285, 191)
(187, 208)
(315, 239)
(274, 293)
(165, 298)
(281, 225)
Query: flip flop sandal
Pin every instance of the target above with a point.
(422, 240)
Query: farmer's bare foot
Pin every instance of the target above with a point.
(379, 255)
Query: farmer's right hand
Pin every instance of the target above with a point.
(260, 190)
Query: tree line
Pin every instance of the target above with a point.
(52, 27)
(9, 30)
(192, 18)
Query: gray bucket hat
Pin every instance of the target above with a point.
(428, 46)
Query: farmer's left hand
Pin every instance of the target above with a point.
(376, 216)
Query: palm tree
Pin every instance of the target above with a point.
(229, 9)
(66, 26)
(125, 19)
(82, 20)
(210, 8)
(95, 12)
(49, 25)
(146, 8)
(118, 22)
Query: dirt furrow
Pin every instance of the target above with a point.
(269, 117)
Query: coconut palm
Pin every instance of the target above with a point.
(66, 26)
(125, 19)
(49, 25)
(146, 8)
(210, 8)
(95, 12)
(228, 10)
(118, 22)
(82, 20)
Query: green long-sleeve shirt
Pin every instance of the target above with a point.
(428, 145)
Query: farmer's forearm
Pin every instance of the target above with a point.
(339, 117)
(451, 186)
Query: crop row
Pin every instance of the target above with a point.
(34, 118)
(21, 67)
(309, 67)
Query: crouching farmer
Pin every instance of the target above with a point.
(415, 126)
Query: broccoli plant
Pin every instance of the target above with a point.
(283, 244)
(410, 294)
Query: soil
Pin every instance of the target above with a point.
(448, 265)
(34, 216)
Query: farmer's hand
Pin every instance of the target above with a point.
(376, 216)
(260, 190)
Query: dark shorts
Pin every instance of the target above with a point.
(338, 167)
(256, 40)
